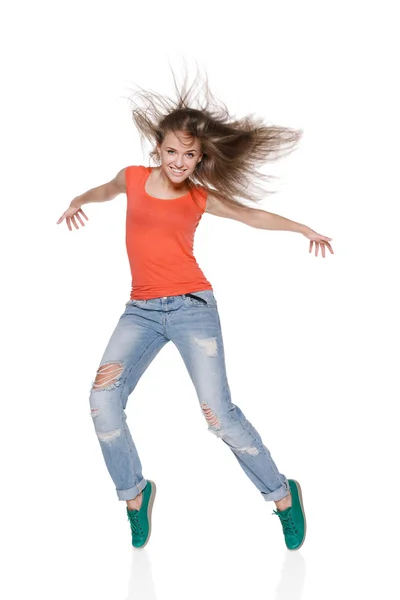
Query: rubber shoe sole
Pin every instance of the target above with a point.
(300, 494)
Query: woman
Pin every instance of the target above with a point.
(206, 162)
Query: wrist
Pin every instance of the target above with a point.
(76, 203)
(304, 229)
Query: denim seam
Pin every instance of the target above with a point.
(124, 424)
(255, 440)
(134, 364)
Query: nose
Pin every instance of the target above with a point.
(179, 162)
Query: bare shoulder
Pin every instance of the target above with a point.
(218, 208)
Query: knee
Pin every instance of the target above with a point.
(213, 420)
(108, 376)
(230, 433)
(105, 409)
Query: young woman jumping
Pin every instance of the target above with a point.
(205, 161)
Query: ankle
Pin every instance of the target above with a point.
(284, 502)
(136, 503)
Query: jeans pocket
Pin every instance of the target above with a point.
(137, 303)
(202, 298)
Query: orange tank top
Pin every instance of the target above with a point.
(159, 239)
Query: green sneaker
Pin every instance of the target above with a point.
(293, 519)
(140, 520)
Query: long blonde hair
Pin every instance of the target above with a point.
(233, 149)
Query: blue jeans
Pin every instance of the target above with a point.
(191, 322)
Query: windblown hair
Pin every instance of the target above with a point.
(233, 149)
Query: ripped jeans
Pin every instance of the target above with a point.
(191, 322)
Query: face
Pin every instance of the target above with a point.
(179, 154)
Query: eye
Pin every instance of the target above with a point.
(169, 151)
(190, 154)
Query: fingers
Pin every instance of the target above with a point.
(317, 247)
(74, 222)
(71, 219)
(78, 216)
(61, 219)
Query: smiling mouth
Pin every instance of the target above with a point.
(177, 171)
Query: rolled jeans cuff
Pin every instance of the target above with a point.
(278, 494)
(133, 491)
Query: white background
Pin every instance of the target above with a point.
(311, 344)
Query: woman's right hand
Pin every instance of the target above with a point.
(70, 215)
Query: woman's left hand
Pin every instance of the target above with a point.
(318, 240)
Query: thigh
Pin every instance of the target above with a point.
(133, 345)
(197, 334)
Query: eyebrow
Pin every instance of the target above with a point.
(171, 148)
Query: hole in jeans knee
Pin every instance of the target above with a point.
(211, 417)
(108, 376)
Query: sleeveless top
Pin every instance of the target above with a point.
(159, 239)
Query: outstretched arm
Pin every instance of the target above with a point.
(102, 193)
(261, 219)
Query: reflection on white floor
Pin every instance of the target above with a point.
(141, 584)
(290, 587)
(292, 578)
